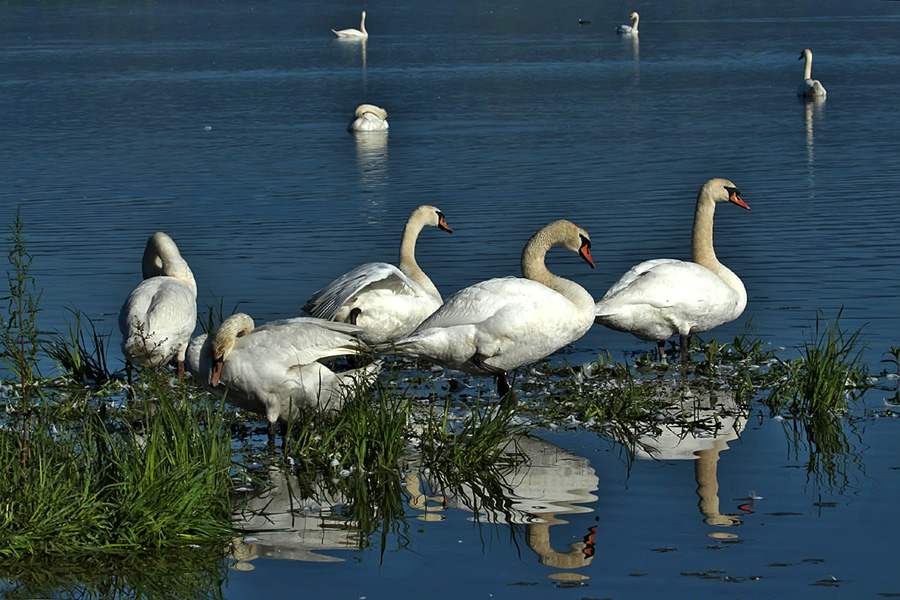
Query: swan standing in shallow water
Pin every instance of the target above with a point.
(159, 316)
(500, 324)
(659, 298)
(387, 301)
(809, 87)
(360, 33)
(633, 28)
(274, 369)
(369, 117)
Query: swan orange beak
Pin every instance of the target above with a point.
(734, 196)
(216, 372)
(585, 253)
(442, 224)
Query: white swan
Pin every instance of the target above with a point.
(274, 369)
(659, 298)
(497, 325)
(388, 302)
(809, 87)
(360, 33)
(159, 316)
(369, 117)
(633, 28)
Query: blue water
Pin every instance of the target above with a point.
(223, 123)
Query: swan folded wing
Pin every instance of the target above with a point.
(667, 284)
(477, 303)
(327, 301)
(301, 341)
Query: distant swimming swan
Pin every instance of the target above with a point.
(369, 118)
(809, 87)
(360, 33)
(633, 29)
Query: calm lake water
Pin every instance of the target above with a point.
(223, 123)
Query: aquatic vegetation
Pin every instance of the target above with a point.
(827, 375)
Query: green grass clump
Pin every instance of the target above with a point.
(99, 485)
(827, 375)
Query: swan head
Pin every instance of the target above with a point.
(633, 16)
(560, 233)
(236, 326)
(433, 216)
(723, 190)
(806, 52)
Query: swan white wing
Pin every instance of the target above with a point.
(508, 322)
(668, 297)
(369, 122)
(157, 320)
(328, 300)
(811, 88)
(634, 273)
(300, 341)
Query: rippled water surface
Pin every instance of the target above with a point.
(223, 123)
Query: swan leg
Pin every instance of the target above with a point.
(685, 350)
(503, 385)
(273, 434)
(354, 315)
(661, 348)
(179, 369)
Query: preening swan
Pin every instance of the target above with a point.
(159, 316)
(360, 33)
(274, 369)
(659, 298)
(633, 28)
(388, 302)
(809, 87)
(500, 324)
(369, 117)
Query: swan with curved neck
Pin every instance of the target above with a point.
(659, 298)
(497, 325)
(160, 314)
(633, 28)
(360, 33)
(275, 369)
(388, 302)
(809, 87)
(369, 117)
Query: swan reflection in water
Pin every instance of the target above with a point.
(372, 158)
(284, 523)
(701, 445)
(551, 482)
(812, 109)
(290, 525)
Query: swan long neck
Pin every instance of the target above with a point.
(807, 68)
(534, 267)
(637, 19)
(702, 251)
(161, 257)
(362, 24)
(407, 262)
